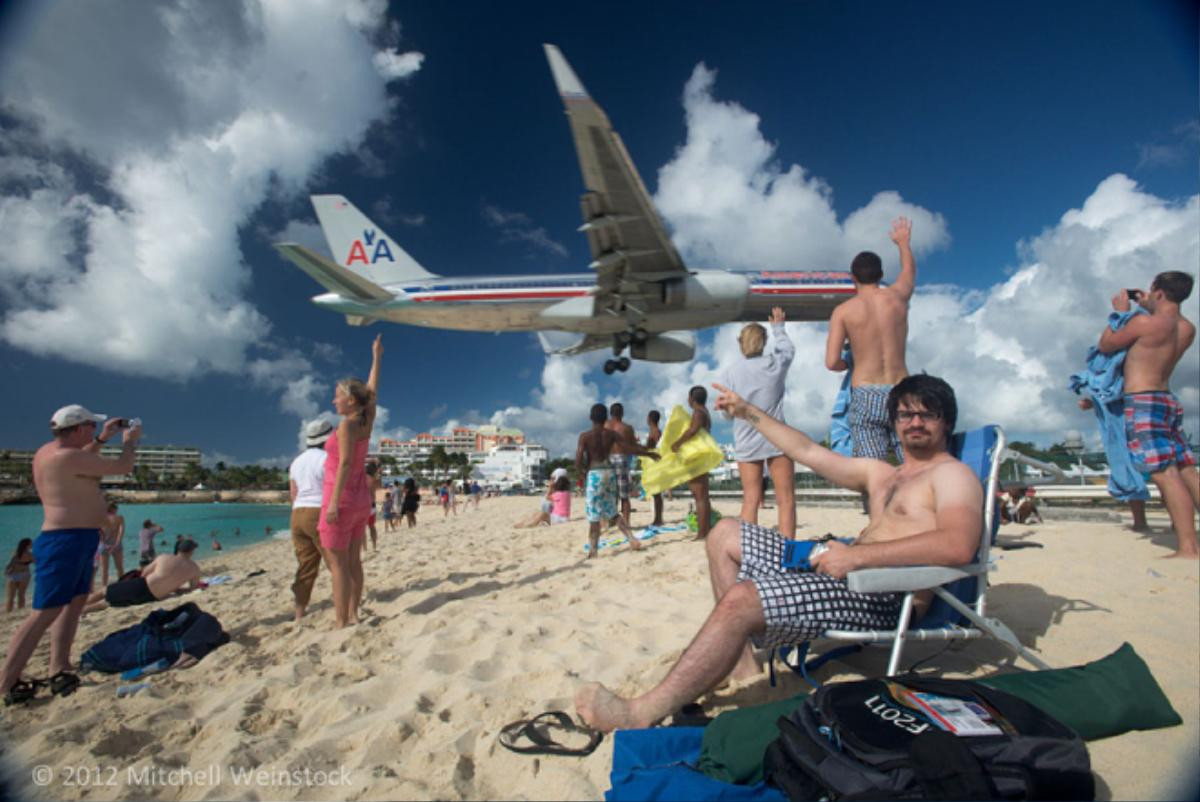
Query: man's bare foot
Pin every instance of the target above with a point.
(603, 710)
(1182, 555)
(634, 543)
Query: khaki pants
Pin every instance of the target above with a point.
(307, 544)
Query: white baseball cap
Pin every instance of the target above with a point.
(73, 415)
(557, 473)
(317, 432)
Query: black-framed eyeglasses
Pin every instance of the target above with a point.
(906, 415)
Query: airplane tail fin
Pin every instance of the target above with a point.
(362, 247)
(333, 277)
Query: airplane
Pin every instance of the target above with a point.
(639, 294)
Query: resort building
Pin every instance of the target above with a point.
(163, 462)
(460, 440)
(510, 464)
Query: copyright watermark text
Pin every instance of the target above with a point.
(95, 776)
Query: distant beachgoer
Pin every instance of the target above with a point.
(373, 485)
(476, 492)
(449, 503)
(875, 322)
(592, 461)
(16, 575)
(622, 457)
(389, 511)
(652, 437)
(411, 502)
(146, 541)
(1153, 415)
(66, 474)
(237, 530)
(760, 379)
(216, 544)
(345, 500)
(306, 477)
(697, 397)
(112, 534)
(178, 540)
(158, 580)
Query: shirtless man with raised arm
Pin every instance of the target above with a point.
(622, 455)
(592, 461)
(1153, 416)
(162, 577)
(66, 472)
(927, 511)
(875, 322)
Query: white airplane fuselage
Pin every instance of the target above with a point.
(567, 302)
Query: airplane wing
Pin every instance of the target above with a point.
(331, 276)
(569, 344)
(628, 240)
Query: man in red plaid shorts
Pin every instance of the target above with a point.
(1153, 415)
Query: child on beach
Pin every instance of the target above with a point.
(411, 502)
(556, 506)
(16, 575)
(372, 470)
(345, 499)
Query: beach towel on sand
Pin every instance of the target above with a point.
(163, 634)
(611, 541)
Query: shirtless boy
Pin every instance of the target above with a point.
(622, 455)
(697, 397)
(592, 460)
(1153, 416)
(162, 577)
(652, 437)
(875, 321)
(112, 535)
(66, 473)
(927, 511)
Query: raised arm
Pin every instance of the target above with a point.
(785, 349)
(1113, 341)
(88, 462)
(836, 342)
(849, 472)
(954, 540)
(373, 381)
(906, 282)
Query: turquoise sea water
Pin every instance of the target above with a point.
(195, 520)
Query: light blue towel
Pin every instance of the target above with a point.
(841, 439)
(1104, 381)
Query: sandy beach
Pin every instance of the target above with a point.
(470, 624)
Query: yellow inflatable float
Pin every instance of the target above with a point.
(697, 456)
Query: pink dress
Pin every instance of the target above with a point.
(355, 503)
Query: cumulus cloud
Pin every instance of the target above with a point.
(178, 122)
(1007, 349)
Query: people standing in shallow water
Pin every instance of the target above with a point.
(760, 379)
(697, 397)
(345, 502)
(17, 575)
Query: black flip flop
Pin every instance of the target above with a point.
(64, 683)
(541, 743)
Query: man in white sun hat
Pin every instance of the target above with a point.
(305, 476)
(66, 473)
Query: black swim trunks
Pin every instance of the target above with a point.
(129, 592)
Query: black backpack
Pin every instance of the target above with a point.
(874, 739)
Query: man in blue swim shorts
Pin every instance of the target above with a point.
(592, 460)
(66, 473)
(1154, 344)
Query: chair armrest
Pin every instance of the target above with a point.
(909, 577)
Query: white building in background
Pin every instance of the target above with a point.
(509, 464)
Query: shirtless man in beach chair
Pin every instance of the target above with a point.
(1153, 415)
(162, 577)
(927, 511)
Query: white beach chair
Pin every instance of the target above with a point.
(958, 610)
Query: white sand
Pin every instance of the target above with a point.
(470, 624)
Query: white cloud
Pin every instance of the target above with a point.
(188, 116)
(517, 227)
(1007, 349)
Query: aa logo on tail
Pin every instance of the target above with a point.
(358, 250)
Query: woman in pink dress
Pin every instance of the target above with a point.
(345, 498)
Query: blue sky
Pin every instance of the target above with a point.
(149, 156)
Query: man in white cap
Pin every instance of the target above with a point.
(305, 477)
(66, 473)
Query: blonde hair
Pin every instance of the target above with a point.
(752, 340)
(360, 392)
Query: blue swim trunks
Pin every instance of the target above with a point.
(63, 565)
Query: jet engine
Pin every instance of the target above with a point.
(670, 346)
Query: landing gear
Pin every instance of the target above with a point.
(613, 365)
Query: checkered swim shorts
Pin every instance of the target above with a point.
(870, 430)
(1154, 430)
(799, 605)
(620, 465)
